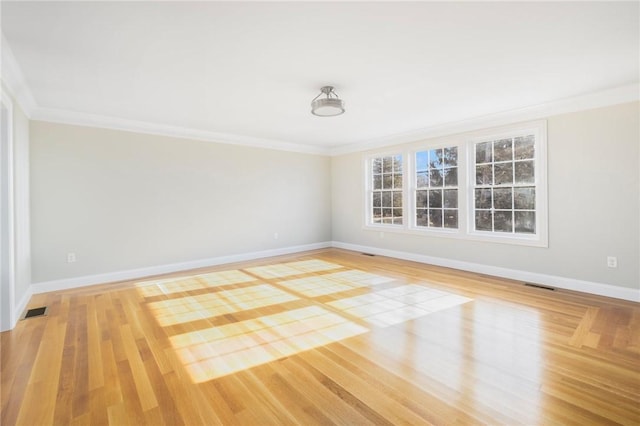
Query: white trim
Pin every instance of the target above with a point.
(515, 274)
(14, 79)
(70, 283)
(7, 183)
(101, 121)
(618, 95)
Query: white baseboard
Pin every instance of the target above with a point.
(69, 283)
(530, 277)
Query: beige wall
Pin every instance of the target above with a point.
(124, 201)
(593, 178)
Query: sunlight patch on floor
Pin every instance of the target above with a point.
(280, 270)
(398, 304)
(319, 285)
(218, 351)
(355, 277)
(193, 308)
(190, 283)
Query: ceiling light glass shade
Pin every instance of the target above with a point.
(330, 106)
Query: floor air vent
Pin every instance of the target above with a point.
(35, 312)
(368, 254)
(544, 287)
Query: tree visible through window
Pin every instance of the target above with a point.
(436, 194)
(505, 185)
(386, 196)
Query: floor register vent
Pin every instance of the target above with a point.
(368, 254)
(544, 287)
(35, 312)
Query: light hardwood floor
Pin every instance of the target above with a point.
(323, 337)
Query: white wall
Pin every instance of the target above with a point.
(22, 208)
(122, 201)
(593, 177)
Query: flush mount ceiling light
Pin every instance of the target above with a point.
(330, 106)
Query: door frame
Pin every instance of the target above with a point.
(7, 220)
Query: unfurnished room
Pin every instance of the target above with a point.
(335, 212)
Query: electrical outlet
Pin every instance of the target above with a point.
(71, 257)
(612, 261)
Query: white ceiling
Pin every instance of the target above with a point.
(248, 71)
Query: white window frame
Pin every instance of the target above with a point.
(368, 199)
(466, 186)
(540, 238)
(413, 187)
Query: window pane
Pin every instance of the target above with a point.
(422, 179)
(377, 182)
(422, 160)
(451, 219)
(483, 220)
(377, 214)
(397, 199)
(503, 150)
(421, 199)
(483, 198)
(525, 222)
(397, 164)
(436, 177)
(386, 199)
(387, 181)
(377, 199)
(503, 173)
(397, 221)
(387, 164)
(397, 213)
(435, 218)
(484, 174)
(422, 218)
(502, 198)
(524, 147)
(524, 198)
(377, 166)
(387, 212)
(387, 220)
(451, 177)
(435, 159)
(451, 198)
(397, 181)
(503, 221)
(524, 172)
(483, 152)
(435, 198)
(451, 156)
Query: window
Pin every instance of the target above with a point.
(505, 190)
(487, 185)
(436, 188)
(386, 194)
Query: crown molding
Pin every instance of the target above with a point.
(14, 80)
(17, 86)
(91, 120)
(618, 95)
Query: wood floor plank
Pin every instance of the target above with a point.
(323, 337)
